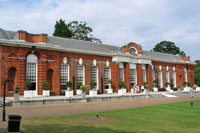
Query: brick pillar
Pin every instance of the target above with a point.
(21, 70)
(42, 72)
(115, 76)
(56, 74)
(139, 75)
(149, 76)
(127, 76)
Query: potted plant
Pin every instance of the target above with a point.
(28, 92)
(79, 90)
(189, 85)
(45, 87)
(179, 87)
(16, 94)
(93, 92)
(186, 87)
(167, 84)
(83, 93)
(122, 90)
(110, 90)
(16, 88)
(146, 89)
(155, 88)
(68, 91)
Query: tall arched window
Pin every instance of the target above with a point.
(31, 70)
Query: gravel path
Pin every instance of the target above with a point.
(79, 108)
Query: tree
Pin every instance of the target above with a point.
(197, 72)
(62, 30)
(75, 30)
(168, 47)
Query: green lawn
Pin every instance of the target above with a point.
(174, 118)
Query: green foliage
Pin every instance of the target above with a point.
(93, 84)
(28, 84)
(16, 88)
(121, 84)
(179, 85)
(166, 118)
(75, 30)
(167, 83)
(45, 85)
(145, 85)
(171, 85)
(110, 81)
(61, 29)
(197, 72)
(69, 84)
(168, 47)
(188, 84)
(82, 87)
(79, 85)
(155, 81)
(185, 83)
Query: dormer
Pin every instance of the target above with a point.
(34, 38)
(132, 48)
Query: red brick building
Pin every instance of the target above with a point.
(39, 58)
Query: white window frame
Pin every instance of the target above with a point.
(167, 76)
(186, 79)
(83, 74)
(64, 74)
(121, 72)
(107, 76)
(95, 76)
(133, 74)
(160, 79)
(144, 76)
(153, 75)
(174, 77)
(30, 68)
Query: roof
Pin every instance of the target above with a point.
(67, 44)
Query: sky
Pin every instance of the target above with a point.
(115, 22)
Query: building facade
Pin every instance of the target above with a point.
(39, 58)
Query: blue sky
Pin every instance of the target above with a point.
(115, 22)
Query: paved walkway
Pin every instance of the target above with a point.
(77, 108)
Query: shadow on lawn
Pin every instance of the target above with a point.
(66, 129)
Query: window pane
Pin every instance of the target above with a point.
(64, 73)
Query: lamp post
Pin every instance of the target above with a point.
(4, 100)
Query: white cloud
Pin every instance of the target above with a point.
(115, 22)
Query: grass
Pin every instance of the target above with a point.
(168, 118)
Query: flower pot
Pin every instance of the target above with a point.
(83, 94)
(197, 88)
(28, 93)
(109, 91)
(155, 89)
(46, 93)
(69, 93)
(78, 92)
(121, 92)
(93, 93)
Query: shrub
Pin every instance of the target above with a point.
(28, 84)
(79, 85)
(171, 85)
(188, 84)
(93, 84)
(185, 83)
(16, 88)
(69, 84)
(82, 87)
(145, 85)
(167, 83)
(110, 81)
(121, 84)
(45, 85)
